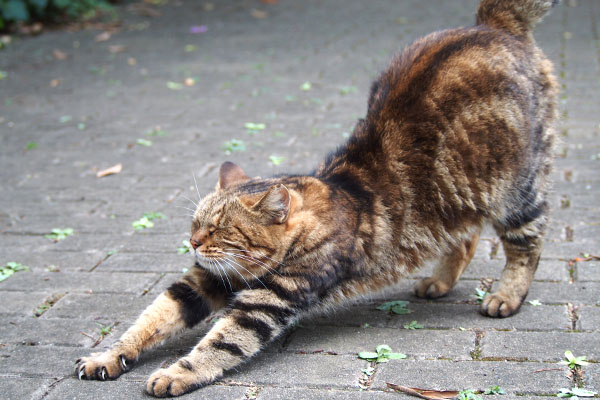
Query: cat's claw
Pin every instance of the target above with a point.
(123, 362)
(81, 372)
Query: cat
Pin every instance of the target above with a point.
(458, 132)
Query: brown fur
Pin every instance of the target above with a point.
(458, 132)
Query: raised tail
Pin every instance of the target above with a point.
(518, 17)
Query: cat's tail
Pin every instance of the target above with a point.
(515, 16)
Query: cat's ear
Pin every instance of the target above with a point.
(275, 204)
(230, 174)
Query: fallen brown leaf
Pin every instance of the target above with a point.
(115, 169)
(59, 54)
(259, 14)
(54, 83)
(103, 37)
(190, 81)
(270, 1)
(117, 48)
(424, 393)
(131, 61)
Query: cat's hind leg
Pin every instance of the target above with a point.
(447, 272)
(521, 237)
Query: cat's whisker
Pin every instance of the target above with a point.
(219, 272)
(238, 272)
(225, 273)
(262, 256)
(196, 184)
(241, 266)
(193, 202)
(186, 208)
(255, 261)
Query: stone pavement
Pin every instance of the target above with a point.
(187, 78)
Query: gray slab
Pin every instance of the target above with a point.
(106, 307)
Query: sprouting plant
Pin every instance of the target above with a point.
(276, 160)
(233, 145)
(59, 234)
(368, 371)
(10, 268)
(144, 142)
(575, 393)
(574, 362)
(344, 90)
(535, 302)
(31, 146)
(146, 220)
(105, 330)
(494, 390)
(382, 354)
(468, 394)
(396, 306)
(413, 325)
(185, 247)
(252, 128)
(480, 295)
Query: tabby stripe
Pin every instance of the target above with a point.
(521, 241)
(193, 307)
(262, 329)
(251, 243)
(296, 298)
(232, 348)
(185, 364)
(282, 314)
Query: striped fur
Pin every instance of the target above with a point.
(458, 132)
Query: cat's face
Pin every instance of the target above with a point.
(238, 234)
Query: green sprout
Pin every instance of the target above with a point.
(253, 128)
(233, 146)
(480, 295)
(468, 394)
(413, 325)
(396, 307)
(276, 160)
(575, 393)
(383, 354)
(574, 362)
(494, 390)
(146, 220)
(59, 234)
(185, 247)
(10, 268)
(144, 142)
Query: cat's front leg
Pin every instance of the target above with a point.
(254, 318)
(184, 304)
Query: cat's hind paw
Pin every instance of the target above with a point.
(431, 288)
(102, 366)
(500, 305)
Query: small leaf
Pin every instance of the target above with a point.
(276, 160)
(306, 86)
(65, 118)
(383, 349)
(367, 355)
(396, 356)
(144, 142)
(174, 85)
(535, 302)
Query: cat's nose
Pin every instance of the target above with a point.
(195, 244)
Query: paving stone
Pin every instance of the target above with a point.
(73, 388)
(20, 303)
(514, 377)
(415, 343)
(334, 394)
(309, 370)
(39, 331)
(25, 388)
(106, 307)
(143, 262)
(539, 346)
(80, 282)
(436, 315)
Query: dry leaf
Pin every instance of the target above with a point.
(259, 14)
(115, 169)
(131, 61)
(270, 1)
(116, 48)
(424, 393)
(60, 55)
(103, 37)
(54, 83)
(190, 81)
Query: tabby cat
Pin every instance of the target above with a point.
(458, 132)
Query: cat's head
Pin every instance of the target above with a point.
(238, 231)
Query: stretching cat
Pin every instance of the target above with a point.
(458, 132)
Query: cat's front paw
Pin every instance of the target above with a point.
(181, 377)
(500, 305)
(102, 366)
